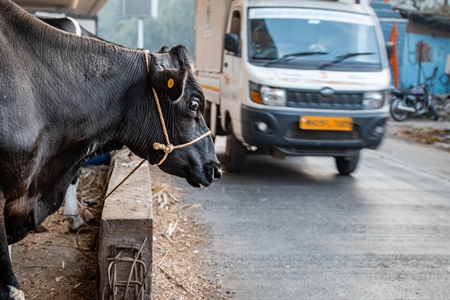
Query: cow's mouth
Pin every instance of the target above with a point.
(199, 183)
(196, 176)
(212, 173)
(195, 183)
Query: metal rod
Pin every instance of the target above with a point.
(140, 33)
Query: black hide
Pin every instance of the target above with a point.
(66, 98)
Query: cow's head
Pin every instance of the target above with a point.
(182, 102)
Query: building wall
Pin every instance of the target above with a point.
(410, 68)
(409, 34)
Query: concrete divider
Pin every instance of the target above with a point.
(126, 231)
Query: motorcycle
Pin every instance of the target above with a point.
(442, 106)
(417, 100)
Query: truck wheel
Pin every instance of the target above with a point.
(235, 152)
(347, 164)
(397, 114)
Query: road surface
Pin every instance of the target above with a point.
(294, 229)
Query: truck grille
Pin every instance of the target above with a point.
(313, 99)
(294, 132)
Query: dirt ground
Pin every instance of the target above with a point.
(423, 131)
(49, 265)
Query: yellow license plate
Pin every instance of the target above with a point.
(326, 123)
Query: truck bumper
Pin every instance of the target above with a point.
(284, 135)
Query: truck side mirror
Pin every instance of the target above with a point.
(232, 42)
(390, 49)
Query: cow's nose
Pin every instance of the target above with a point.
(217, 172)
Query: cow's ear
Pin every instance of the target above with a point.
(171, 82)
(181, 53)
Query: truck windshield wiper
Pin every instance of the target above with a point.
(342, 57)
(290, 56)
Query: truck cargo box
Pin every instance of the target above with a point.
(209, 33)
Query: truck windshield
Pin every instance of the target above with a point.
(312, 39)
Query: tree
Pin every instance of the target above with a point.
(174, 25)
(443, 8)
(436, 6)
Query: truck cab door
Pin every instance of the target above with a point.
(231, 67)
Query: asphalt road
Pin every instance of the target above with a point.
(295, 229)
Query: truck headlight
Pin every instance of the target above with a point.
(263, 94)
(373, 100)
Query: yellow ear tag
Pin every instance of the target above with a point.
(170, 83)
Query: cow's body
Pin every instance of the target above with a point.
(64, 99)
(72, 218)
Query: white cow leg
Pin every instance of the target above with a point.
(15, 294)
(71, 215)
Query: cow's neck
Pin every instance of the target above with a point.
(85, 84)
(80, 78)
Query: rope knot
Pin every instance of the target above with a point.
(166, 148)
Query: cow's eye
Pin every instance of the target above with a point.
(193, 105)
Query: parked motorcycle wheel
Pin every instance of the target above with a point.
(446, 111)
(442, 109)
(396, 113)
(421, 108)
(432, 111)
(235, 152)
(347, 164)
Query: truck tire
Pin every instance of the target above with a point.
(347, 164)
(235, 152)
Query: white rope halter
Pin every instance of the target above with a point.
(169, 147)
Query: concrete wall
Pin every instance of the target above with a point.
(126, 233)
(441, 47)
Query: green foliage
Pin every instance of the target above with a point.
(435, 6)
(174, 25)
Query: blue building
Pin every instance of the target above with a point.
(423, 43)
(427, 46)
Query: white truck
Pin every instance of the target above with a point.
(285, 77)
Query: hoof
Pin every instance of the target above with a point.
(40, 229)
(16, 294)
(73, 223)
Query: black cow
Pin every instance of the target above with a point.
(66, 98)
(72, 219)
